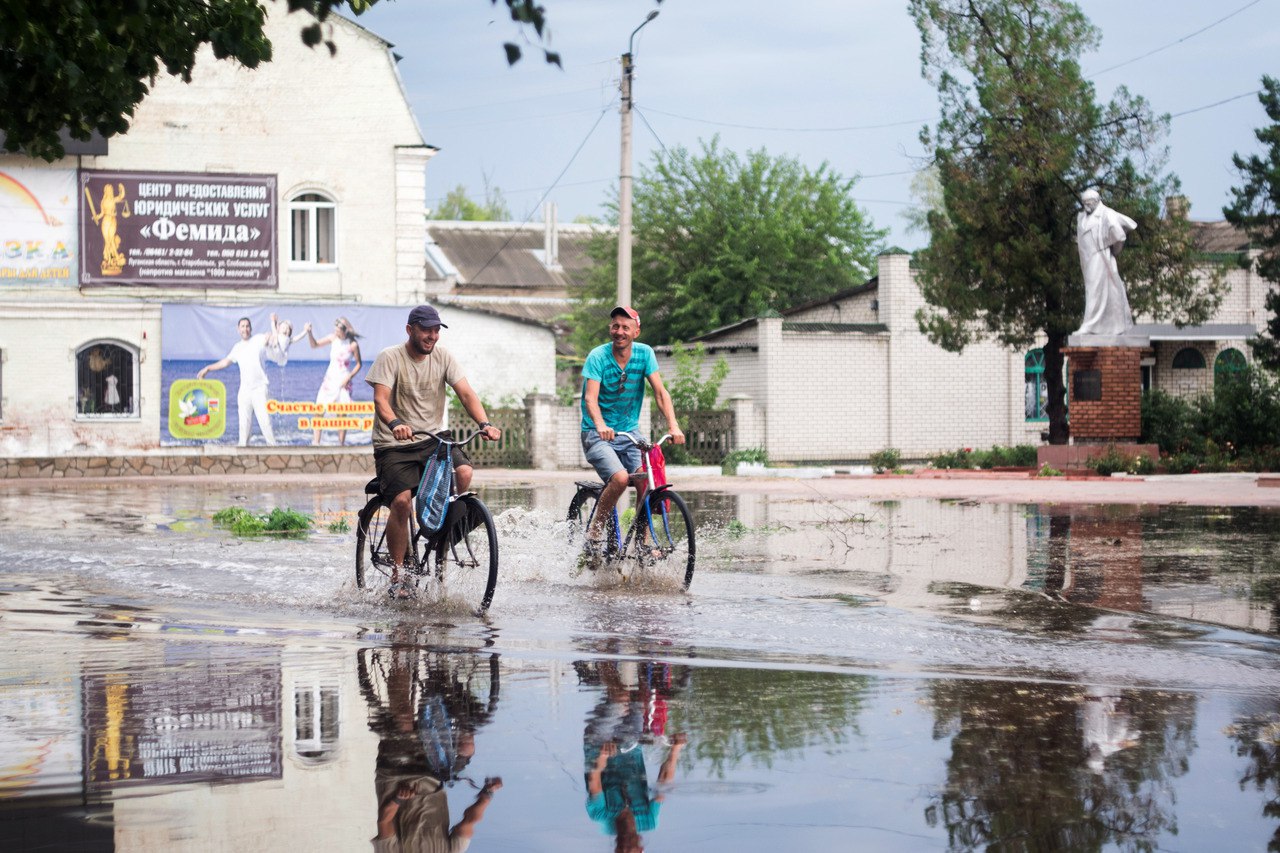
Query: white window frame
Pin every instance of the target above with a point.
(302, 204)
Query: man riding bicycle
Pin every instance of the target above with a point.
(409, 383)
(612, 394)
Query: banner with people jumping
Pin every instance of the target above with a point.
(286, 374)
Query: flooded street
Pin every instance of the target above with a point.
(842, 674)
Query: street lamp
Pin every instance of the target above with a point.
(624, 174)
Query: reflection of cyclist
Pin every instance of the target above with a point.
(426, 722)
(631, 712)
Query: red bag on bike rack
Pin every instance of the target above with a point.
(657, 463)
(434, 489)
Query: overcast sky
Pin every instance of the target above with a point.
(819, 80)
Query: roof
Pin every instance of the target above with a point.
(506, 258)
(547, 312)
(838, 296)
(1219, 237)
(1207, 332)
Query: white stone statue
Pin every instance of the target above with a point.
(1100, 234)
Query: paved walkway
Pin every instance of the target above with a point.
(1191, 489)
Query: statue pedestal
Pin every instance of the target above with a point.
(1104, 384)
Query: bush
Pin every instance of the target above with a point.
(1112, 461)
(1243, 411)
(885, 460)
(1047, 470)
(1022, 456)
(753, 454)
(1168, 421)
(962, 458)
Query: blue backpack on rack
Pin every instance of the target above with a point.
(434, 489)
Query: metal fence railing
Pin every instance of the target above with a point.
(510, 451)
(708, 436)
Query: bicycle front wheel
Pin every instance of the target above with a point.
(671, 544)
(373, 562)
(467, 556)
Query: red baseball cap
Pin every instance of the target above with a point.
(626, 311)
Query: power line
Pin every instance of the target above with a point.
(512, 236)
(1175, 42)
(524, 118)
(1215, 104)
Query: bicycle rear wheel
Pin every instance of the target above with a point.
(467, 556)
(373, 563)
(671, 548)
(581, 510)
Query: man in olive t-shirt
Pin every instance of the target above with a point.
(409, 396)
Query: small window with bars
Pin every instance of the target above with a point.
(106, 381)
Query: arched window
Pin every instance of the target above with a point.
(312, 230)
(1188, 358)
(1036, 390)
(106, 380)
(1229, 364)
(1230, 360)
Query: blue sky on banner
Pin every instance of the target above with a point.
(818, 80)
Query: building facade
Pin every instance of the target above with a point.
(297, 187)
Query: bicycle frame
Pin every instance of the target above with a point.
(652, 492)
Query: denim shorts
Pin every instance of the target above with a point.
(610, 457)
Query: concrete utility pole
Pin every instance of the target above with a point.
(624, 174)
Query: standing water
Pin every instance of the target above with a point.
(842, 674)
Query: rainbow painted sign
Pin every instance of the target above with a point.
(38, 244)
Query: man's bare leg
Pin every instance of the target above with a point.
(613, 490)
(462, 477)
(398, 531)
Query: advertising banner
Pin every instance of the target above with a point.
(177, 229)
(37, 227)
(234, 376)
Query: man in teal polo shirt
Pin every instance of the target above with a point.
(612, 393)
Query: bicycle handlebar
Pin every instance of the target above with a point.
(456, 442)
(644, 445)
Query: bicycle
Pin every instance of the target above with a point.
(661, 535)
(467, 543)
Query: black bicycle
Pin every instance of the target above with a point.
(460, 559)
(659, 540)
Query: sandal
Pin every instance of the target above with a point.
(592, 554)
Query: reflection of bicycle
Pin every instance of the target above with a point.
(660, 538)
(448, 696)
(467, 544)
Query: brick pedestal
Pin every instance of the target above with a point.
(1104, 386)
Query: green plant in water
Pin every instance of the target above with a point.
(340, 525)
(283, 522)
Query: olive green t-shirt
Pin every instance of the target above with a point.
(417, 389)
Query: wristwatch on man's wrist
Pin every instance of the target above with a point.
(485, 425)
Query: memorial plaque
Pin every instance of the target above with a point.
(1086, 385)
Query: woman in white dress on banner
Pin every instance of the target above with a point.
(344, 364)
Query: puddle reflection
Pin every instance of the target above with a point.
(426, 707)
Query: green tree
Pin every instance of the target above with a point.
(1256, 209)
(719, 238)
(458, 205)
(1021, 135)
(85, 66)
(689, 391)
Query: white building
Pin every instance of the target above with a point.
(840, 378)
(323, 150)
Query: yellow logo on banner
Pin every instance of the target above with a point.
(197, 408)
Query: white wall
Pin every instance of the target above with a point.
(339, 125)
